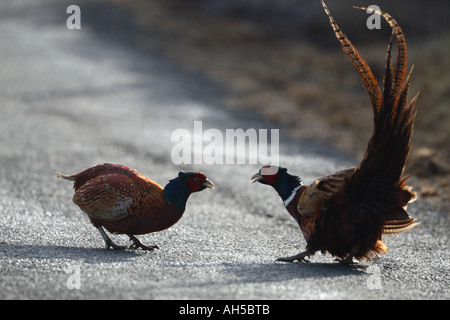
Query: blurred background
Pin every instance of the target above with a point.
(115, 91)
(281, 59)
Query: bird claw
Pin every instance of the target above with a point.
(113, 246)
(137, 244)
(346, 261)
(299, 257)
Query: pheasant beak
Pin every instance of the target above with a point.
(208, 184)
(256, 177)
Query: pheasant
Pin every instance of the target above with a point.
(124, 201)
(346, 213)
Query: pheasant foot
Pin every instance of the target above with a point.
(299, 257)
(137, 244)
(346, 261)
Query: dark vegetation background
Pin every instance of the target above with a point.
(281, 59)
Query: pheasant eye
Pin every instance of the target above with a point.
(196, 179)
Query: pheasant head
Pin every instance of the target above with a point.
(178, 190)
(284, 183)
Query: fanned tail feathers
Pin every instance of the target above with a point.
(379, 175)
(392, 137)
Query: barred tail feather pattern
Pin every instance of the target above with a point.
(370, 82)
(402, 58)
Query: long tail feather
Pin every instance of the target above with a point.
(66, 176)
(370, 82)
(402, 60)
(388, 91)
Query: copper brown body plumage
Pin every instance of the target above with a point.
(123, 201)
(347, 212)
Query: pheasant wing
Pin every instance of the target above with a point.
(106, 197)
(321, 190)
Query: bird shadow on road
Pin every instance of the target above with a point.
(262, 272)
(88, 255)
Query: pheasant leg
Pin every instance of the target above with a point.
(109, 243)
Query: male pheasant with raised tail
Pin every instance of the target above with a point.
(346, 213)
(123, 201)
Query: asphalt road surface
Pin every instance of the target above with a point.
(74, 98)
